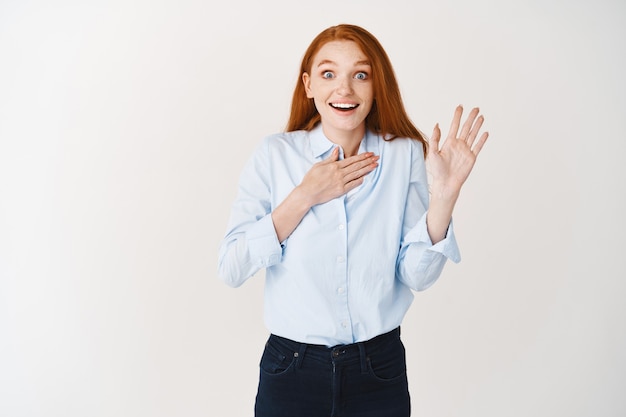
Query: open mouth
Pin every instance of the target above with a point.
(344, 106)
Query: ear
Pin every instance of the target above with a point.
(306, 80)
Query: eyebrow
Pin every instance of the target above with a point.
(328, 61)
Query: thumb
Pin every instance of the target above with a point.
(334, 155)
(434, 140)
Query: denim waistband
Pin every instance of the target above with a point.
(340, 353)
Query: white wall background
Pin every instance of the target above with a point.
(123, 129)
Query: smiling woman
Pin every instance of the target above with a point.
(342, 91)
(338, 284)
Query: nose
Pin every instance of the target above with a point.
(345, 86)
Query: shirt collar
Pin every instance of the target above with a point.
(319, 142)
(321, 145)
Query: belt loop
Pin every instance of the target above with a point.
(363, 357)
(300, 355)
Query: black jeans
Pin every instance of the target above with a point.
(365, 379)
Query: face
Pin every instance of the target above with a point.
(341, 87)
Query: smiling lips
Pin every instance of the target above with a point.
(344, 106)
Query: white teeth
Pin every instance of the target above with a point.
(343, 105)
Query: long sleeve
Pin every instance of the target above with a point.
(420, 263)
(250, 243)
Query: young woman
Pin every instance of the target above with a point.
(338, 212)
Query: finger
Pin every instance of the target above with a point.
(352, 184)
(356, 178)
(360, 170)
(480, 143)
(433, 143)
(475, 129)
(355, 159)
(456, 122)
(334, 155)
(467, 126)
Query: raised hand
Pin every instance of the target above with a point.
(449, 166)
(451, 163)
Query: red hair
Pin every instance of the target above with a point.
(387, 117)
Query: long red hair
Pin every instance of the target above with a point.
(387, 117)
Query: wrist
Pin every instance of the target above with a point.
(302, 199)
(444, 192)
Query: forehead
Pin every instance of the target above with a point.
(340, 52)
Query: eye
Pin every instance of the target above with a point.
(361, 76)
(327, 74)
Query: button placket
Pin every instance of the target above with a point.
(341, 273)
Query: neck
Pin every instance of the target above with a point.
(349, 140)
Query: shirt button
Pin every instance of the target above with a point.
(340, 290)
(339, 259)
(341, 227)
(344, 324)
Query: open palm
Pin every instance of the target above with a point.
(451, 163)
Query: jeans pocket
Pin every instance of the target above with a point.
(275, 359)
(389, 366)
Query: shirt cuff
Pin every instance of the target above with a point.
(447, 247)
(263, 245)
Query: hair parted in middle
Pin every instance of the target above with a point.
(387, 117)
